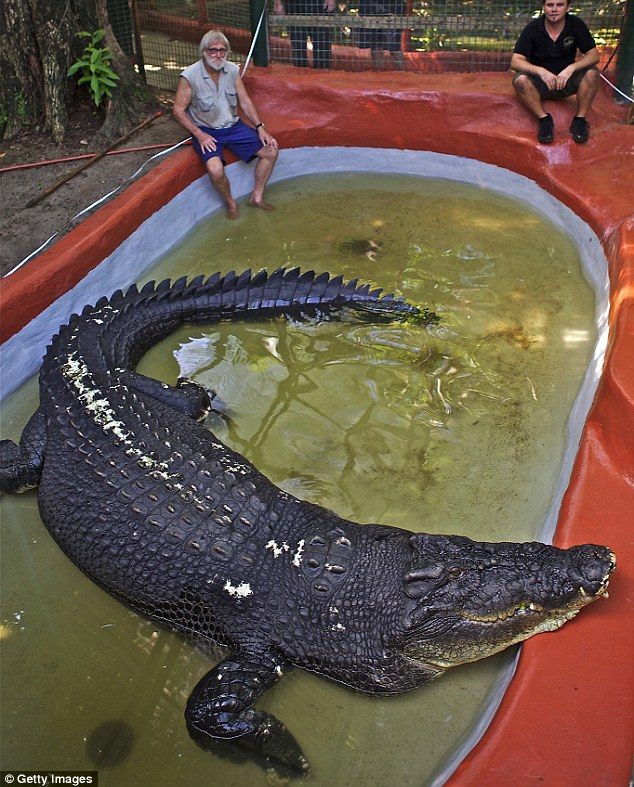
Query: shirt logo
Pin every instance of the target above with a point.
(569, 42)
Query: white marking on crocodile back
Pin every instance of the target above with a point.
(95, 404)
(100, 410)
(277, 550)
(232, 467)
(241, 591)
(297, 557)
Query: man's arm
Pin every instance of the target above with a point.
(522, 63)
(554, 81)
(589, 59)
(181, 101)
(248, 108)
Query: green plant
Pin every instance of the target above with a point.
(20, 106)
(15, 107)
(95, 67)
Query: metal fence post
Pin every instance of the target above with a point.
(625, 64)
(261, 44)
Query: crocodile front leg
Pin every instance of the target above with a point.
(220, 708)
(21, 465)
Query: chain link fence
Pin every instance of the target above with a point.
(423, 36)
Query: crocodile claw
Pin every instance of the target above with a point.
(279, 747)
(270, 745)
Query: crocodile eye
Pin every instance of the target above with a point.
(454, 572)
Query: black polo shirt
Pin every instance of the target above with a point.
(536, 45)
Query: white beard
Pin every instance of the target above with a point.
(214, 63)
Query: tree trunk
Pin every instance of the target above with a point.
(53, 29)
(37, 46)
(132, 101)
(21, 77)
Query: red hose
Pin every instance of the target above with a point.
(88, 155)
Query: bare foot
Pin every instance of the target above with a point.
(233, 212)
(263, 205)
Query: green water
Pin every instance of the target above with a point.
(458, 429)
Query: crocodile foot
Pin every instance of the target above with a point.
(220, 714)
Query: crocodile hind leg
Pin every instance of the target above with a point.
(220, 709)
(21, 465)
(187, 396)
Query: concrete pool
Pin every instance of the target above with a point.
(587, 728)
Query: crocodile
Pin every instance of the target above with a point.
(156, 510)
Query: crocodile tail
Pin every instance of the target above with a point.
(233, 295)
(118, 330)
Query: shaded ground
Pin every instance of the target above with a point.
(23, 229)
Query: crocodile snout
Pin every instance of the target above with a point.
(590, 568)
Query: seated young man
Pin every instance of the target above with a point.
(545, 59)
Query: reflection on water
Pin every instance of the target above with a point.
(456, 428)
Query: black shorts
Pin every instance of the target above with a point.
(572, 86)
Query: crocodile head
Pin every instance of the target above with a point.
(468, 600)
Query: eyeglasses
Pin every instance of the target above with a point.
(216, 50)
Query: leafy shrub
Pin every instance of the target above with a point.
(94, 65)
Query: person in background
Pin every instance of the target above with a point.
(321, 37)
(208, 96)
(380, 39)
(547, 67)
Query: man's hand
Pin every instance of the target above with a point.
(549, 78)
(206, 142)
(266, 139)
(557, 81)
(564, 75)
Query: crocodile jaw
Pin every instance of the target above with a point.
(473, 637)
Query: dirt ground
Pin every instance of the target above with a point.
(23, 229)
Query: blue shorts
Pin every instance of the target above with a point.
(241, 139)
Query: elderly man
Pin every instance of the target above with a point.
(545, 59)
(208, 96)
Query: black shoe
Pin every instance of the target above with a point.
(580, 129)
(545, 133)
